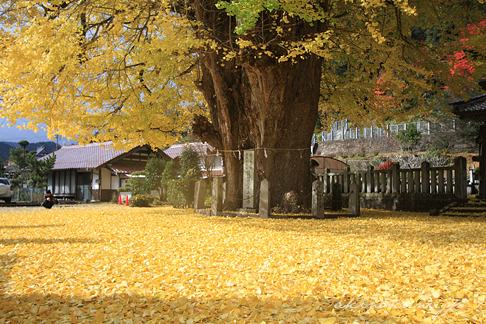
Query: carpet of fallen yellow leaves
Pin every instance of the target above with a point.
(115, 264)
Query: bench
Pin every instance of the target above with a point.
(64, 196)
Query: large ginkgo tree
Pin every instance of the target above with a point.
(247, 74)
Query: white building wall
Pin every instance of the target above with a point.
(106, 179)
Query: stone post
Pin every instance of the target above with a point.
(199, 194)
(337, 197)
(264, 206)
(224, 191)
(354, 203)
(460, 183)
(318, 199)
(217, 203)
(249, 179)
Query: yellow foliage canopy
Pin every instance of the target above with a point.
(82, 77)
(125, 70)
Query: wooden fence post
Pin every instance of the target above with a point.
(376, 175)
(395, 174)
(417, 180)
(346, 180)
(383, 181)
(369, 180)
(425, 177)
(403, 183)
(411, 184)
(449, 181)
(440, 176)
(460, 175)
(325, 181)
(433, 181)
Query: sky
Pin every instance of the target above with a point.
(13, 134)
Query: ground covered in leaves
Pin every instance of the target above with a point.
(117, 264)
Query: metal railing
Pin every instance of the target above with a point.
(28, 194)
(340, 130)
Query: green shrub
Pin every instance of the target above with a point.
(120, 189)
(114, 198)
(136, 183)
(180, 192)
(409, 137)
(141, 200)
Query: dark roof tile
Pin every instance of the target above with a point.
(89, 156)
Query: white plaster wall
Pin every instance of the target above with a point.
(106, 181)
(115, 182)
(94, 184)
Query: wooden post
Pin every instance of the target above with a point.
(411, 186)
(376, 174)
(417, 181)
(346, 180)
(403, 182)
(395, 174)
(369, 180)
(358, 181)
(481, 158)
(325, 181)
(364, 182)
(460, 175)
(433, 181)
(449, 181)
(441, 180)
(383, 181)
(425, 173)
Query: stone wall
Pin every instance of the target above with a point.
(356, 146)
(372, 146)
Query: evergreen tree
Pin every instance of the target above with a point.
(154, 170)
(190, 164)
(2, 169)
(39, 170)
(169, 173)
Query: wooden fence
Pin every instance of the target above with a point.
(449, 179)
(440, 183)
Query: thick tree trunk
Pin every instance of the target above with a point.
(283, 116)
(269, 107)
(257, 103)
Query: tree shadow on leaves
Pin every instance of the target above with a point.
(30, 226)
(404, 226)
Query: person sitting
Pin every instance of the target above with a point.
(48, 200)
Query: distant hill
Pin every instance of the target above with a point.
(4, 151)
(5, 148)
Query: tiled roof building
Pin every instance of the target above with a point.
(95, 171)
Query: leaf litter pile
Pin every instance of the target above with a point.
(114, 264)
